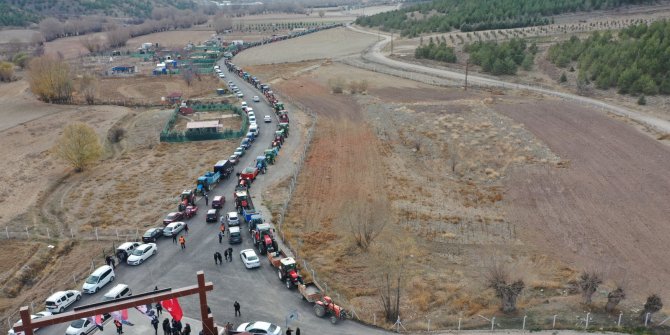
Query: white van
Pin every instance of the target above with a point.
(254, 129)
(118, 291)
(60, 300)
(252, 119)
(98, 279)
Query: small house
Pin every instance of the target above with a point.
(203, 126)
(174, 97)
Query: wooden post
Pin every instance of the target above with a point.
(26, 320)
(207, 319)
(467, 67)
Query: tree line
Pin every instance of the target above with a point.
(473, 15)
(436, 51)
(502, 58)
(636, 61)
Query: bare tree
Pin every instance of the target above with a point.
(588, 283)
(79, 146)
(93, 44)
(118, 37)
(51, 28)
(614, 298)
(222, 23)
(497, 278)
(88, 87)
(188, 76)
(366, 221)
(653, 305)
(390, 296)
(6, 71)
(50, 79)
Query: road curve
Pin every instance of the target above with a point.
(374, 54)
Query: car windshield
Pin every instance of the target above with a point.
(77, 323)
(149, 232)
(252, 258)
(272, 328)
(138, 252)
(171, 216)
(92, 280)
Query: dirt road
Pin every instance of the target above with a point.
(375, 54)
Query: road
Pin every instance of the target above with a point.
(259, 291)
(374, 54)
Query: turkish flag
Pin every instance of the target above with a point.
(172, 306)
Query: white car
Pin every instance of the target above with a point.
(233, 219)
(259, 327)
(32, 317)
(250, 259)
(256, 98)
(243, 104)
(267, 119)
(81, 327)
(221, 75)
(142, 253)
(250, 114)
(252, 119)
(59, 301)
(173, 228)
(240, 95)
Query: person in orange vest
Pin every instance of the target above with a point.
(182, 242)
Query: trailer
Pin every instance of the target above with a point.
(310, 292)
(224, 167)
(207, 182)
(287, 269)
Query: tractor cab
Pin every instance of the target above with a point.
(269, 156)
(186, 198)
(288, 272)
(261, 164)
(256, 220)
(283, 126)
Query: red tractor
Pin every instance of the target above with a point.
(326, 307)
(263, 238)
(187, 198)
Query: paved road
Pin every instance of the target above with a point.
(374, 54)
(259, 291)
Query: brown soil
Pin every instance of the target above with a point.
(609, 202)
(150, 89)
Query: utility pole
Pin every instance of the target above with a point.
(467, 66)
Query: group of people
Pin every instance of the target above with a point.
(228, 253)
(172, 328)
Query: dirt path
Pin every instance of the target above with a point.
(612, 200)
(376, 55)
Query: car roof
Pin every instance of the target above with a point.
(125, 245)
(260, 325)
(145, 246)
(176, 223)
(232, 213)
(248, 251)
(234, 229)
(211, 211)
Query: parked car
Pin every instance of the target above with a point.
(59, 301)
(256, 98)
(243, 104)
(252, 119)
(250, 259)
(81, 327)
(239, 151)
(234, 235)
(218, 201)
(234, 158)
(240, 95)
(152, 234)
(245, 144)
(267, 119)
(232, 219)
(142, 253)
(221, 75)
(123, 250)
(173, 228)
(98, 279)
(117, 292)
(32, 317)
(259, 327)
(172, 217)
(212, 215)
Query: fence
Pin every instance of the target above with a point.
(94, 234)
(168, 135)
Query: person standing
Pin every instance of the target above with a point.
(187, 330)
(154, 323)
(186, 227)
(289, 331)
(167, 330)
(159, 308)
(220, 237)
(174, 238)
(230, 254)
(182, 242)
(206, 200)
(217, 258)
(297, 331)
(237, 308)
(119, 326)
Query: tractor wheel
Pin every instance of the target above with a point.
(289, 285)
(319, 310)
(280, 275)
(333, 319)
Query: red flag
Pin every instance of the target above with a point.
(172, 306)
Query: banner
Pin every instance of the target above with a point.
(172, 306)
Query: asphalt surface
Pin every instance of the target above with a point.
(260, 293)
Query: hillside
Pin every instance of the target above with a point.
(472, 15)
(24, 12)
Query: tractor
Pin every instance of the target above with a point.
(261, 164)
(264, 239)
(278, 106)
(283, 126)
(187, 198)
(270, 156)
(288, 272)
(326, 307)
